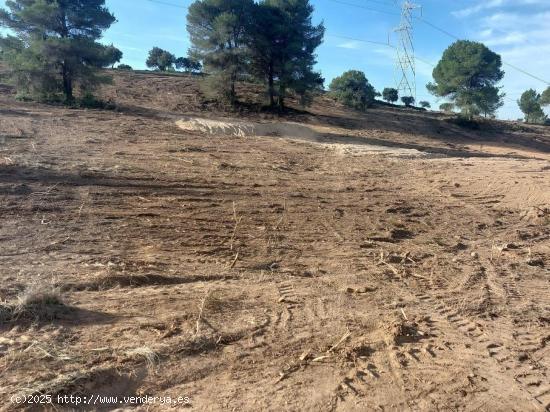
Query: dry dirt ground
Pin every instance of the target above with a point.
(327, 261)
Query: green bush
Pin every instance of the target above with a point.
(353, 90)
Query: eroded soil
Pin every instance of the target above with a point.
(275, 272)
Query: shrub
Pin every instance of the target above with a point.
(390, 95)
(353, 90)
(407, 100)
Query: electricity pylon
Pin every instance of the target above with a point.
(405, 68)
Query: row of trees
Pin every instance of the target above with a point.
(354, 90)
(54, 49)
(163, 60)
(271, 41)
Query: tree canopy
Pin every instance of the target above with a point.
(407, 100)
(160, 59)
(425, 104)
(283, 41)
(529, 103)
(467, 75)
(390, 94)
(545, 97)
(218, 32)
(187, 64)
(353, 90)
(55, 45)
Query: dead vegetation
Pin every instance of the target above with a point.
(40, 302)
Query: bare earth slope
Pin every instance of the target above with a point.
(327, 261)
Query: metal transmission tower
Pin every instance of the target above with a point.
(405, 68)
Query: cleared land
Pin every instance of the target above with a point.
(329, 260)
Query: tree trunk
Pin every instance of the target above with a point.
(67, 84)
(271, 86)
(281, 98)
(232, 92)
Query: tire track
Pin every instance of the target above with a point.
(532, 378)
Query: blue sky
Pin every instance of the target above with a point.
(517, 29)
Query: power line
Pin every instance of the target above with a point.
(519, 69)
(359, 6)
(360, 40)
(338, 36)
(165, 3)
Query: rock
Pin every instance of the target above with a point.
(536, 262)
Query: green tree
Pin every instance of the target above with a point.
(529, 103)
(218, 32)
(447, 107)
(265, 34)
(425, 104)
(160, 59)
(545, 97)
(467, 75)
(407, 100)
(187, 64)
(353, 90)
(282, 42)
(124, 67)
(390, 95)
(54, 46)
(489, 100)
(112, 55)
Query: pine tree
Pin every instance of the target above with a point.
(265, 34)
(218, 32)
(55, 45)
(529, 103)
(290, 41)
(467, 75)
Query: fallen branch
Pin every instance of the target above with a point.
(234, 261)
(347, 335)
(238, 220)
(392, 268)
(320, 358)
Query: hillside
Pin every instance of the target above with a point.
(322, 260)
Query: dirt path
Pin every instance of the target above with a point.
(259, 273)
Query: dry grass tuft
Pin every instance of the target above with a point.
(38, 302)
(144, 352)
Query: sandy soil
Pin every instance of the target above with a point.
(385, 261)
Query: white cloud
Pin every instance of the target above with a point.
(493, 4)
(478, 8)
(353, 45)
